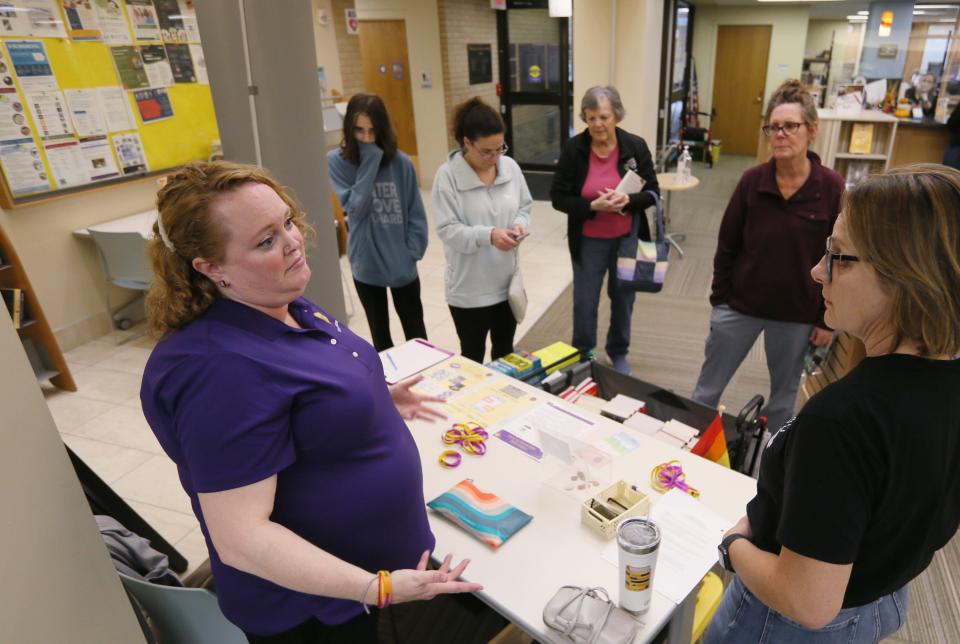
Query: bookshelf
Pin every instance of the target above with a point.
(39, 343)
(855, 144)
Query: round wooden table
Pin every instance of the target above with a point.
(668, 183)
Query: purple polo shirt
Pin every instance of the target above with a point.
(768, 244)
(237, 396)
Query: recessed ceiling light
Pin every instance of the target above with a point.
(856, 18)
(863, 13)
(935, 6)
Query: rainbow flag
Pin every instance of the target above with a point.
(713, 444)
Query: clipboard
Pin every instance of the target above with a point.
(409, 359)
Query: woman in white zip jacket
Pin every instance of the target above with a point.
(481, 206)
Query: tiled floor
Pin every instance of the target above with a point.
(103, 423)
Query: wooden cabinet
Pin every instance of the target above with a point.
(37, 339)
(839, 129)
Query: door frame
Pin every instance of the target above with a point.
(509, 98)
(763, 87)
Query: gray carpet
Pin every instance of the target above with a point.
(667, 338)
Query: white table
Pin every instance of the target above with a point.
(141, 222)
(555, 549)
(668, 183)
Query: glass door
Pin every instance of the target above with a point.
(535, 82)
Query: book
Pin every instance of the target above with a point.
(13, 298)
(861, 138)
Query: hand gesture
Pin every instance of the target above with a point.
(411, 405)
(502, 239)
(413, 585)
(618, 200)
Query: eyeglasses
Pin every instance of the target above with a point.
(489, 154)
(788, 128)
(832, 257)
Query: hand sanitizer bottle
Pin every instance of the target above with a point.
(683, 165)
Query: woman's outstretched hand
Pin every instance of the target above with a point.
(414, 585)
(412, 406)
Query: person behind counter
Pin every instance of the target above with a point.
(481, 206)
(287, 440)
(377, 187)
(584, 187)
(924, 95)
(858, 492)
(772, 230)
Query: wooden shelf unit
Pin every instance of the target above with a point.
(833, 142)
(37, 338)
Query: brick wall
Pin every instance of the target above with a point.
(348, 49)
(464, 22)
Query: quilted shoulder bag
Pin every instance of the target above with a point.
(642, 265)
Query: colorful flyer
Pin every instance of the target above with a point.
(171, 21)
(188, 14)
(143, 19)
(30, 62)
(199, 64)
(49, 110)
(23, 168)
(116, 110)
(452, 377)
(130, 153)
(14, 127)
(37, 18)
(67, 164)
(129, 66)
(85, 112)
(181, 63)
(153, 103)
(98, 158)
(82, 20)
(113, 24)
(156, 65)
(492, 404)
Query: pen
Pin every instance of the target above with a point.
(390, 358)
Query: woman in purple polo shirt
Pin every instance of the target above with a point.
(291, 448)
(772, 232)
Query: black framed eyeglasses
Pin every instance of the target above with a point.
(832, 257)
(789, 128)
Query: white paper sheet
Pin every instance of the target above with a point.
(67, 163)
(130, 152)
(631, 183)
(199, 64)
(23, 168)
(690, 533)
(85, 111)
(116, 109)
(113, 24)
(410, 358)
(13, 120)
(99, 158)
(49, 110)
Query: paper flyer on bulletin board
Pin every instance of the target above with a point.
(94, 90)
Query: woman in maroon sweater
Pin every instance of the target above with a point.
(773, 230)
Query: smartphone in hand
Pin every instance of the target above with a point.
(519, 237)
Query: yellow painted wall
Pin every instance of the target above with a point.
(787, 43)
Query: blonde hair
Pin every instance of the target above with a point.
(792, 91)
(179, 293)
(906, 223)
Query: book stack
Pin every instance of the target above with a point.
(15, 301)
(557, 356)
(516, 365)
(620, 408)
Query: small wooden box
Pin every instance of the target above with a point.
(604, 511)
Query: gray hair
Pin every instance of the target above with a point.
(595, 95)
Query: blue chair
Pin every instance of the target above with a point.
(183, 615)
(124, 261)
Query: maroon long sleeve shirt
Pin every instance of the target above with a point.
(768, 244)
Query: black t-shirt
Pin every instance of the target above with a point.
(867, 473)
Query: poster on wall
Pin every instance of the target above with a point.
(13, 120)
(85, 112)
(199, 64)
(153, 103)
(98, 158)
(188, 14)
(170, 17)
(113, 24)
(130, 153)
(49, 110)
(82, 21)
(23, 168)
(480, 63)
(37, 18)
(181, 63)
(116, 109)
(129, 66)
(67, 164)
(30, 62)
(143, 19)
(156, 65)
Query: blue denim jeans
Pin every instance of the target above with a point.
(598, 257)
(741, 618)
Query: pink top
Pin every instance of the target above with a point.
(602, 173)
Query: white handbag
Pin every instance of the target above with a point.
(517, 294)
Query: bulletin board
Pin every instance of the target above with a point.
(95, 92)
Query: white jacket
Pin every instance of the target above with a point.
(465, 211)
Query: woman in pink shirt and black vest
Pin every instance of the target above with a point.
(584, 187)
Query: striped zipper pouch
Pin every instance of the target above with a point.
(484, 515)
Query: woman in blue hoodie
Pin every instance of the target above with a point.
(377, 188)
